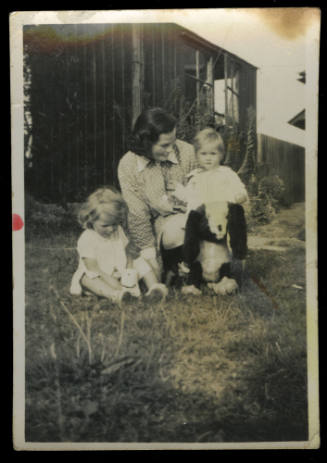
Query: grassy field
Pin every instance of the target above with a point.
(208, 369)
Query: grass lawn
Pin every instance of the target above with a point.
(191, 369)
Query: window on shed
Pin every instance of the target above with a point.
(233, 79)
(226, 91)
(197, 76)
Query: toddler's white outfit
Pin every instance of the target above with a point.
(221, 183)
(110, 255)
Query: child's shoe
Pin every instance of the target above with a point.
(157, 293)
(127, 297)
(191, 289)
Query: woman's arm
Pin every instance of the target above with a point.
(139, 217)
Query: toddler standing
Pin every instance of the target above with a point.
(105, 268)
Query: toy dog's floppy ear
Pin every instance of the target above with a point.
(237, 231)
(192, 234)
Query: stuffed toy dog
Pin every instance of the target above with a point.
(210, 231)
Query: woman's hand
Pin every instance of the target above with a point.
(180, 208)
(181, 193)
(165, 206)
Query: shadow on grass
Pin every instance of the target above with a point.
(151, 391)
(136, 404)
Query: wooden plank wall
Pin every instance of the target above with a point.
(286, 160)
(81, 99)
(161, 66)
(81, 108)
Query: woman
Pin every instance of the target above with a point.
(148, 174)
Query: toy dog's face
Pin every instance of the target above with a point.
(217, 213)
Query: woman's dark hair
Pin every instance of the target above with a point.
(148, 127)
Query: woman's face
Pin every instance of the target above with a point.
(164, 145)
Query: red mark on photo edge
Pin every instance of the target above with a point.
(17, 222)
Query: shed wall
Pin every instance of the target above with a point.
(287, 160)
(80, 102)
(81, 98)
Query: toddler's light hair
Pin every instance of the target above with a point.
(107, 201)
(209, 135)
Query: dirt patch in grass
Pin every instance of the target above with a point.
(286, 230)
(208, 369)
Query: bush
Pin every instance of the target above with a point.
(48, 219)
(262, 210)
(272, 187)
(268, 200)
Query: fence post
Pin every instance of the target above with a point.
(137, 71)
(226, 83)
(261, 167)
(259, 149)
(210, 92)
(197, 75)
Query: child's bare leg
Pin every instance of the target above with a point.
(100, 288)
(150, 279)
(156, 291)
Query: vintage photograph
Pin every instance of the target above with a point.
(164, 228)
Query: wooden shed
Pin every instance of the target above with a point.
(86, 83)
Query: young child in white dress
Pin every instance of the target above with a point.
(105, 268)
